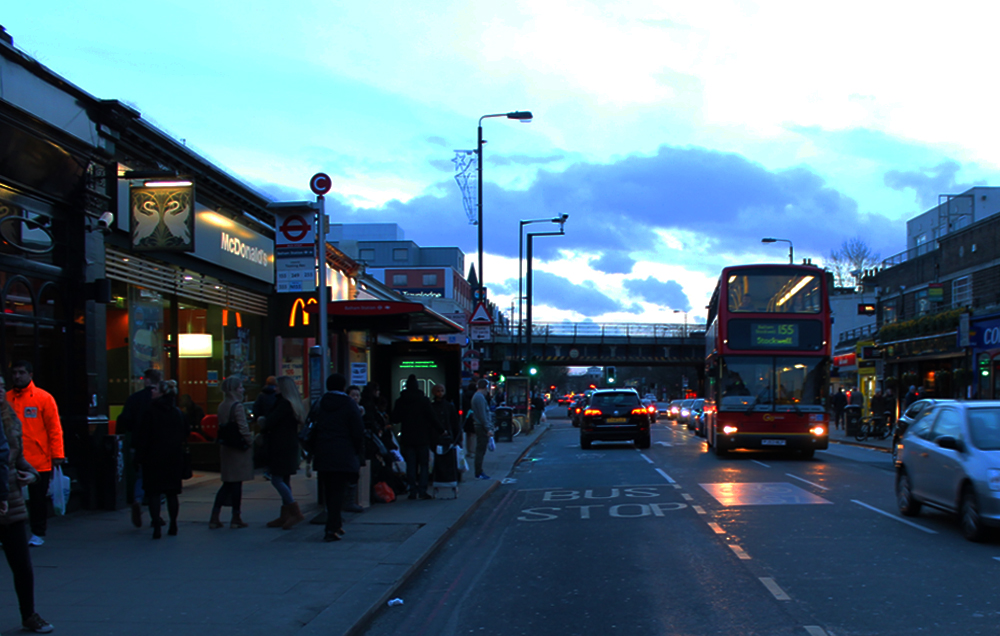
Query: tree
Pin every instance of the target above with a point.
(850, 261)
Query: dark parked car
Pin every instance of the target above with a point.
(576, 409)
(615, 415)
(950, 459)
(913, 413)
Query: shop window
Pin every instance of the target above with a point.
(430, 280)
(18, 299)
(399, 279)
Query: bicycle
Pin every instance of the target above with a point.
(873, 427)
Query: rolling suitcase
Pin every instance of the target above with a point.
(446, 468)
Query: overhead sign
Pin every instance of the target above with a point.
(480, 316)
(295, 251)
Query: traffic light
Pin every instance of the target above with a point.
(984, 365)
(609, 374)
(532, 370)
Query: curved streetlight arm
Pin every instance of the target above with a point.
(531, 236)
(520, 272)
(791, 257)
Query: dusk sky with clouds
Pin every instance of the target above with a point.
(675, 134)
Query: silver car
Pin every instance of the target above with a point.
(950, 459)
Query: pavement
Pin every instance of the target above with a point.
(98, 574)
(841, 437)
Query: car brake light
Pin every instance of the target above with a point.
(651, 409)
(818, 431)
(729, 430)
(592, 412)
(638, 411)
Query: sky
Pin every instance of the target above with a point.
(676, 135)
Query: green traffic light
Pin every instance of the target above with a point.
(532, 370)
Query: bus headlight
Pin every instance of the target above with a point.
(729, 430)
(818, 431)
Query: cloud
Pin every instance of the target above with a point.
(928, 183)
(614, 263)
(557, 292)
(664, 293)
(521, 160)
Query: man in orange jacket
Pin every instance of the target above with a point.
(43, 441)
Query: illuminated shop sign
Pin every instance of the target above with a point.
(161, 216)
(223, 241)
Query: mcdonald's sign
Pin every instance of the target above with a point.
(296, 315)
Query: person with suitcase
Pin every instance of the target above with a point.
(446, 473)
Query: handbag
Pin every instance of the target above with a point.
(229, 434)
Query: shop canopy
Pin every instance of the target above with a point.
(388, 317)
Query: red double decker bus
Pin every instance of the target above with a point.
(767, 366)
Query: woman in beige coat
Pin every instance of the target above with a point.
(237, 463)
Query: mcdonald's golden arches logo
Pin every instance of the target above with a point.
(300, 306)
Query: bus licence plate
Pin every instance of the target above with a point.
(617, 420)
(772, 442)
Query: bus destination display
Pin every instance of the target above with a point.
(774, 335)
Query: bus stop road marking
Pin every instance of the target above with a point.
(666, 476)
(892, 516)
(774, 588)
(761, 463)
(815, 630)
(648, 460)
(701, 511)
(743, 556)
(687, 497)
(716, 528)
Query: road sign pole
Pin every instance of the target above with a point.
(320, 185)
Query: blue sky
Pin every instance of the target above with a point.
(675, 134)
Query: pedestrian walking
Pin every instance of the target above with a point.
(418, 432)
(446, 474)
(42, 433)
(126, 424)
(280, 431)
(839, 401)
(15, 473)
(236, 458)
(351, 492)
(484, 425)
(159, 443)
(911, 396)
(266, 399)
(338, 441)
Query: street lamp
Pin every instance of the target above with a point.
(791, 259)
(522, 115)
(520, 275)
(684, 334)
(531, 237)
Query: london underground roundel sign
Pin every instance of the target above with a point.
(320, 183)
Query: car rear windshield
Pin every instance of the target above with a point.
(984, 425)
(607, 400)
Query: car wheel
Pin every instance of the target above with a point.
(972, 522)
(643, 442)
(584, 442)
(904, 496)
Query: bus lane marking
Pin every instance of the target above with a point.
(815, 630)
(648, 460)
(774, 589)
(716, 528)
(892, 516)
(761, 463)
(806, 481)
(687, 497)
(666, 476)
(743, 556)
(701, 510)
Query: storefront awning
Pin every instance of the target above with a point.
(388, 317)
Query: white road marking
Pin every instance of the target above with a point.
(716, 527)
(687, 497)
(892, 516)
(807, 481)
(773, 588)
(761, 463)
(648, 460)
(997, 558)
(508, 480)
(815, 630)
(739, 552)
(701, 511)
(663, 443)
(665, 476)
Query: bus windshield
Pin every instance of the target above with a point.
(774, 291)
(772, 383)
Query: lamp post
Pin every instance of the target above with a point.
(528, 294)
(520, 275)
(523, 116)
(791, 258)
(684, 334)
